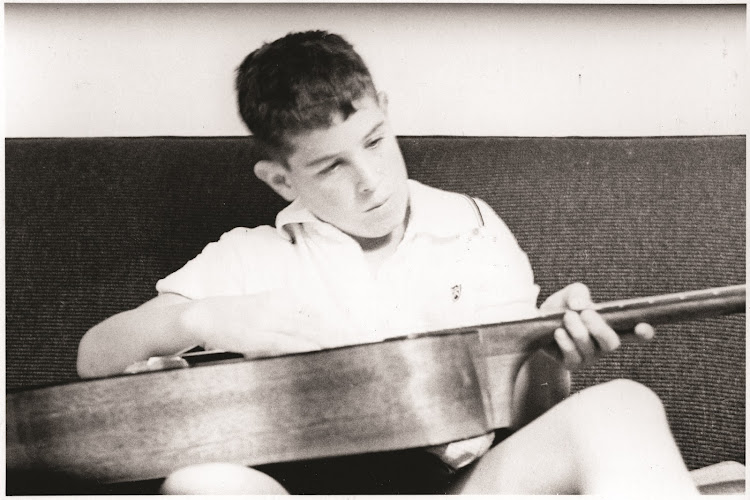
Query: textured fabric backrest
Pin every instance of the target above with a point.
(93, 223)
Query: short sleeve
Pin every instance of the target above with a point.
(510, 292)
(241, 262)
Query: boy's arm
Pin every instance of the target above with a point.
(263, 324)
(151, 329)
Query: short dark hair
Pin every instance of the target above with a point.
(299, 83)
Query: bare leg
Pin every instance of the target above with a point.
(220, 479)
(609, 439)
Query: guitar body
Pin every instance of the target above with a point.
(386, 396)
(403, 393)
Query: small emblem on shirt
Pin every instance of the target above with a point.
(456, 289)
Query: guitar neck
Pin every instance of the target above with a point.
(623, 315)
(529, 334)
(505, 346)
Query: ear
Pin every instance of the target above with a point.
(277, 177)
(383, 102)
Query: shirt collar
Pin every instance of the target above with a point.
(294, 213)
(438, 213)
(432, 211)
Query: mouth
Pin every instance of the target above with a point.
(377, 205)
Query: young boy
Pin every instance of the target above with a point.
(362, 254)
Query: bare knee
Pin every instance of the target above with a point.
(220, 479)
(620, 397)
(627, 386)
(616, 408)
(622, 426)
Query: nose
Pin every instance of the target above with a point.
(369, 175)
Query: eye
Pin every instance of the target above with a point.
(330, 168)
(374, 143)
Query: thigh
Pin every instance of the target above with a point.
(599, 438)
(525, 463)
(218, 478)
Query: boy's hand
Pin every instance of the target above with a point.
(586, 336)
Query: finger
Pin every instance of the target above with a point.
(570, 356)
(578, 297)
(606, 338)
(644, 331)
(553, 350)
(580, 335)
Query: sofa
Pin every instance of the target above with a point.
(93, 223)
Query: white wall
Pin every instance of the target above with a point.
(509, 70)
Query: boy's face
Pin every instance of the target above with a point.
(352, 174)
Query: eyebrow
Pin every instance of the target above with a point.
(330, 157)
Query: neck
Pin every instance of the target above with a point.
(375, 244)
(382, 243)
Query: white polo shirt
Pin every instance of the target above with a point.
(454, 267)
(457, 265)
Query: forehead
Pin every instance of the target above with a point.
(340, 137)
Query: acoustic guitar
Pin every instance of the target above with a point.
(415, 391)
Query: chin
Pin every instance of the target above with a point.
(380, 226)
(374, 235)
(387, 231)
(375, 231)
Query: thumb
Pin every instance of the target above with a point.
(577, 297)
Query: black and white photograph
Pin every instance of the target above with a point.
(375, 248)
